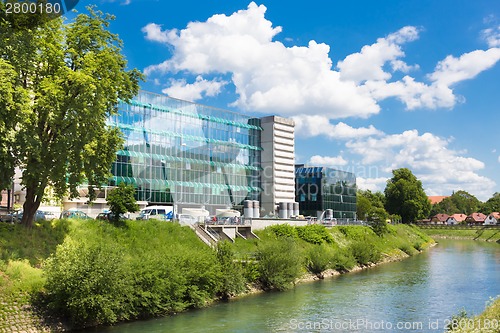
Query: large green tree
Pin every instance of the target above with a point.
(366, 201)
(405, 196)
(59, 85)
(492, 204)
(465, 202)
(460, 202)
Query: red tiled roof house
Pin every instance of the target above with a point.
(492, 219)
(476, 218)
(439, 219)
(456, 219)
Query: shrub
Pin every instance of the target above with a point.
(365, 253)
(318, 259)
(342, 260)
(87, 283)
(102, 274)
(232, 280)
(283, 230)
(314, 234)
(279, 263)
(407, 248)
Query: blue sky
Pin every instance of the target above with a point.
(371, 85)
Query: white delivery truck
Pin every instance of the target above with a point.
(156, 212)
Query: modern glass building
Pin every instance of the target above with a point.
(319, 188)
(187, 154)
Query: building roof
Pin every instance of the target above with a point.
(496, 215)
(477, 217)
(434, 199)
(459, 217)
(440, 217)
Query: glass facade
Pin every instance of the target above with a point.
(320, 188)
(187, 154)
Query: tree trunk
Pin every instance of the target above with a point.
(30, 206)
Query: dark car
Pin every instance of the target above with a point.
(109, 216)
(39, 215)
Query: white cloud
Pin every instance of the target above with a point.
(368, 64)
(328, 161)
(271, 77)
(372, 184)
(441, 169)
(452, 70)
(154, 33)
(123, 3)
(492, 36)
(194, 91)
(498, 159)
(310, 126)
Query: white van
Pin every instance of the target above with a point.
(156, 212)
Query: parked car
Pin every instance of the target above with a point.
(39, 215)
(156, 212)
(49, 215)
(109, 216)
(9, 217)
(74, 214)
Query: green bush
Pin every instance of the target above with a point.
(342, 260)
(318, 259)
(283, 230)
(232, 280)
(279, 263)
(365, 253)
(102, 274)
(357, 233)
(407, 248)
(314, 234)
(88, 283)
(251, 271)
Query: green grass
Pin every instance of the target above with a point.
(94, 273)
(492, 235)
(344, 243)
(486, 322)
(34, 244)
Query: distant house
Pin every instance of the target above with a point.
(476, 218)
(492, 219)
(434, 199)
(456, 219)
(439, 219)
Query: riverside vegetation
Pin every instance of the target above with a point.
(474, 233)
(89, 273)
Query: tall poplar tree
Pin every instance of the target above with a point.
(59, 84)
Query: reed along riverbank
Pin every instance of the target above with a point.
(90, 273)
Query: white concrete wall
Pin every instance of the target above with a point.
(258, 224)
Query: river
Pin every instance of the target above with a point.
(418, 294)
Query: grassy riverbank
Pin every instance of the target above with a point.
(486, 322)
(482, 234)
(88, 273)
